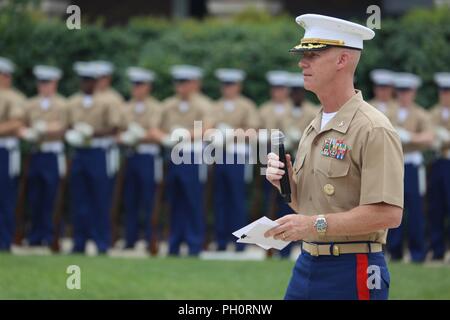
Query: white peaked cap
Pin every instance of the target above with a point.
(323, 31)
(6, 66)
(296, 80)
(186, 72)
(405, 80)
(85, 69)
(230, 75)
(103, 68)
(442, 79)
(382, 77)
(136, 74)
(42, 72)
(278, 78)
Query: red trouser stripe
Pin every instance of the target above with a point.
(362, 263)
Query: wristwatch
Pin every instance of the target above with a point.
(321, 224)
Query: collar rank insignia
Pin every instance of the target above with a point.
(334, 148)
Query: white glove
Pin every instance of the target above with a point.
(128, 138)
(74, 138)
(40, 126)
(30, 135)
(405, 135)
(137, 130)
(84, 128)
(442, 134)
(167, 141)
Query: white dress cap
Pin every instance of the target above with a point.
(6, 66)
(103, 68)
(85, 69)
(296, 80)
(278, 78)
(230, 75)
(47, 73)
(405, 80)
(136, 74)
(442, 79)
(186, 72)
(322, 32)
(382, 77)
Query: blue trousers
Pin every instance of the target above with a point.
(229, 202)
(344, 277)
(8, 199)
(43, 181)
(91, 192)
(415, 219)
(281, 209)
(439, 205)
(139, 192)
(185, 196)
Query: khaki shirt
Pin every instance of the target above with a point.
(273, 115)
(101, 114)
(182, 114)
(113, 96)
(11, 104)
(388, 108)
(55, 112)
(417, 121)
(440, 117)
(240, 113)
(355, 160)
(147, 113)
(301, 117)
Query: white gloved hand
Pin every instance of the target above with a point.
(128, 138)
(84, 128)
(74, 138)
(30, 135)
(40, 126)
(168, 142)
(442, 134)
(137, 130)
(405, 135)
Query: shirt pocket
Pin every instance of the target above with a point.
(333, 168)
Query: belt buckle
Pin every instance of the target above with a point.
(335, 250)
(314, 250)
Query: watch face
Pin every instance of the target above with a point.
(321, 225)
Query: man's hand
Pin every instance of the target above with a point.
(275, 169)
(292, 227)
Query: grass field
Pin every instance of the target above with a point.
(44, 277)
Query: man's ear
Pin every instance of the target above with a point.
(342, 60)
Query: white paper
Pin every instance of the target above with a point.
(254, 234)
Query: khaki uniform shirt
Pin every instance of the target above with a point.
(301, 117)
(101, 114)
(240, 113)
(146, 113)
(417, 121)
(356, 159)
(388, 108)
(55, 111)
(11, 105)
(182, 114)
(440, 117)
(273, 115)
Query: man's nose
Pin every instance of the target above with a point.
(303, 63)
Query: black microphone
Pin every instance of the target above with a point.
(277, 146)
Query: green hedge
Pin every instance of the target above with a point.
(419, 42)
